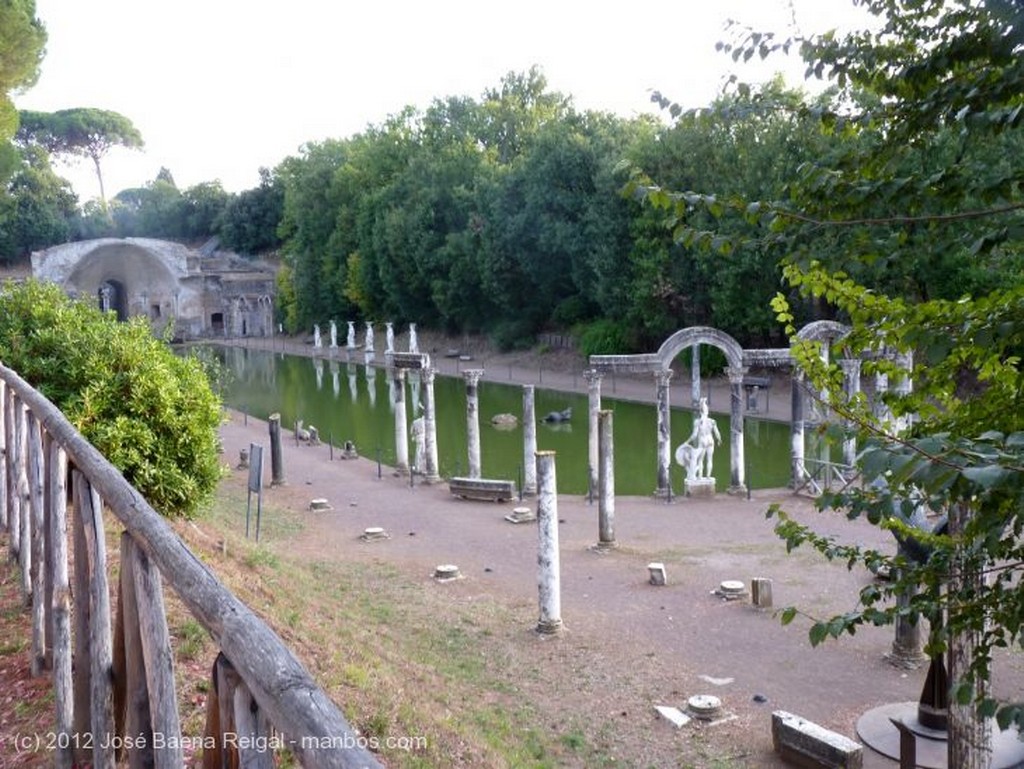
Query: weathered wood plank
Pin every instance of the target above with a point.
(309, 721)
(90, 509)
(137, 719)
(4, 458)
(48, 445)
(82, 672)
(39, 576)
(61, 602)
(24, 509)
(252, 731)
(156, 651)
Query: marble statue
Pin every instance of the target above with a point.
(418, 431)
(334, 334)
(702, 440)
(390, 337)
(368, 346)
(414, 345)
(351, 341)
(316, 335)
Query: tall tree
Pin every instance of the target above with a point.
(22, 47)
(80, 132)
(931, 104)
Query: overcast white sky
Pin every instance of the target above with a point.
(219, 88)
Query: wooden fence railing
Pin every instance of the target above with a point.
(114, 680)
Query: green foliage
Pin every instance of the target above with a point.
(82, 132)
(513, 335)
(909, 228)
(152, 413)
(22, 45)
(249, 221)
(604, 337)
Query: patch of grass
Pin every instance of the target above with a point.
(192, 638)
(261, 556)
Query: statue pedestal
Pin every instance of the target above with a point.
(700, 488)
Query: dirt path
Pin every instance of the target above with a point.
(628, 645)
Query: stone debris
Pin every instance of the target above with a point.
(731, 589)
(373, 534)
(674, 716)
(657, 574)
(447, 572)
(716, 681)
(319, 504)
(521, 515)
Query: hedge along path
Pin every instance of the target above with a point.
(121, 671)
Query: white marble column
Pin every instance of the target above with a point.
(549, 579)
(529, 441)
(606, 482)
(695, 375)
(737, 469)
(663, 378)
(593, 377)
(796, 427)
(401, 423)
(430, 472)
(472, 377)
(851, 387)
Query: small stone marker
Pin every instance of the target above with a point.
(447, 572)
(374, 533)
(706, 707)
(674, 716)
(521, 515)
(731, 589)
(319, 504)
(761, 592)
(657, 573)
(801, 741)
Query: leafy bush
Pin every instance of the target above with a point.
(152, 413)
(604, 337)
(513, 335)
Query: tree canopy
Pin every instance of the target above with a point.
(925, 180)
(82, 132)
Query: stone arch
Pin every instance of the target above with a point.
(688, 337)
(823, 331)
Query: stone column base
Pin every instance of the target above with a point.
(700, 488)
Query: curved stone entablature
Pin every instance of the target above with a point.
(165, 282)
(823, 331)
(688, 337)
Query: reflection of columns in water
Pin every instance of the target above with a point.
(335, 377)
(737, 471)
(606, 482)
(430, 472)
(796, 441)
(401, 425)
(549, 579)
(851, 388)
(318, 367)
(472, 377)
(392, 387)
(663, 378)
(593, 377)
(529, 441)
(353, 387)
(371, 384)
(695, 375)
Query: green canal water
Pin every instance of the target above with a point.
(352, 402)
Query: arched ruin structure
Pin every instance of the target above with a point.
(204, 296)
(739, 362)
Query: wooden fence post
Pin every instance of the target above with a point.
(24, 553)
(130, 691)
(4, 458)
(10, 439)
(90, 514)
(82, 679)
(50, 629)
(63, 689)
(38, 573)
(156, 651)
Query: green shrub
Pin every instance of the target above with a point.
(513, 335)
(604, 337)
(152, 413)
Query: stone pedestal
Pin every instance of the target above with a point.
(700, 488)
